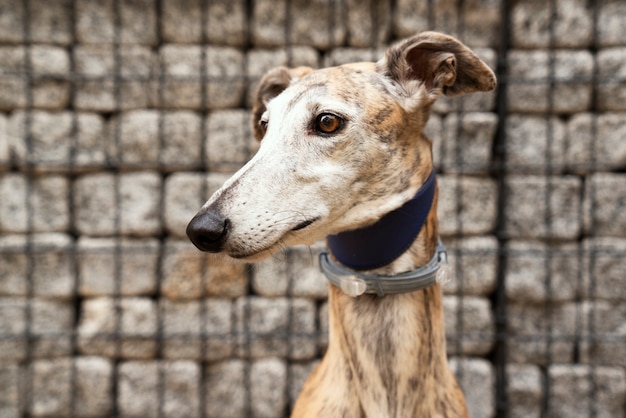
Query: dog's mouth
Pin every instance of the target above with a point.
(304, 224)
(282, 242)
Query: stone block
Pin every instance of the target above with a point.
(51, 393)
(542, 207)
(226, 79)
(49, 203)
(50, 22)
(51, 68)
(153, 389)
(476, 378)
(14, 261)
(610, 25)
(467, 205)
(185, 193)
(91, 148)
(602, 333)
(469, 324)
(269, 327)
(13, 205)
(226, 393)
(126, 267)
(13, 83)
(259, 61)
(184, 72)
(119, 328)
(94, 205)
(480, 20)
(541, 334)
(52, 271)
(93, 377)
(132, 210)
(271, 276)
(269, 23)
(537, 272)
(191, 274)
(343, 55)
(534, 144)
(12, 22)
(13, 324)
(181, 71)
(5, 155)
(316, 23)
(323, 328)
(138, 137)
(298, 373)
(181, 325)
(132, 67)
(603, 267)
(181, 144)
(595, 142)
(138, 388)
(268, 387)
(368, 24)
(524, 390)
(294, 273)
(466, 143)
(472, 262)
(610, 79)
(549, 81)
(49, 322)
(140, 196)
(603, 204)
(42, 140)
(11, 378)
(181, 389)
(38, 204)
(197, 330)
(581, 390)
(308, 281)
(52, 324)
(410, 18)
(225, 22)
(569, 25)
(95, 22)
(229, 142)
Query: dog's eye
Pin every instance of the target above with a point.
(263, 124)
(327, 123)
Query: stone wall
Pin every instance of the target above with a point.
(118, 118)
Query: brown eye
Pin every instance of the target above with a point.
(327, 123)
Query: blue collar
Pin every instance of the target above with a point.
(379, 244)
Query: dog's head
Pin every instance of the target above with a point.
(340, 147)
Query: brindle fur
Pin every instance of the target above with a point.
(386, 355)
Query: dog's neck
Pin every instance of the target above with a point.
(390, 351)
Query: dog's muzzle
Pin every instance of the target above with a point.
(208, 231)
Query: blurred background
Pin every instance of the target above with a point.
(119, 118)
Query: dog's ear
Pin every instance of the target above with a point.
(438, 62)
(271, 85)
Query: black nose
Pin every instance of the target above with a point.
(208, 230)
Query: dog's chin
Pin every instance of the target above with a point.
(251, 255)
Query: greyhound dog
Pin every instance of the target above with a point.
(343, 157)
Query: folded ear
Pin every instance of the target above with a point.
(272, 84)
(439, 63)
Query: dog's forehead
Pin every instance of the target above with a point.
(347, 85)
